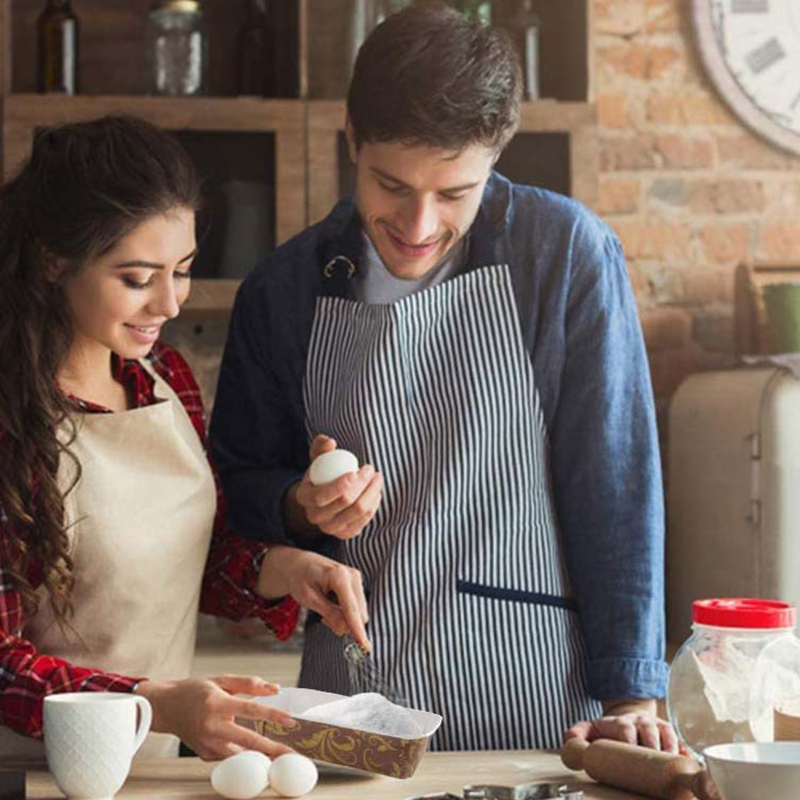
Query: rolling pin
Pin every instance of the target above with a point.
(638, 769)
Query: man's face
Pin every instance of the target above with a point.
(416, 201)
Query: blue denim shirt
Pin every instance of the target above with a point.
(580, 325)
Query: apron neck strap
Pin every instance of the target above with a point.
(338, 259)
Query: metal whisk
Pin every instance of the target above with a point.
(364, 674)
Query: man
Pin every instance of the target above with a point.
(478, 343)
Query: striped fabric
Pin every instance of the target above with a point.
(469, 604)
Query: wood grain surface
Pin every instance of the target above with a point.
(162, 779)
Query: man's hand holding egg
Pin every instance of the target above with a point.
(336, 496)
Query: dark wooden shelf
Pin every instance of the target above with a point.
(305, 153)
(24, 113)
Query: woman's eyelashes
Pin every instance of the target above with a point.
(132, 282)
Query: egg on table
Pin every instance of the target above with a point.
(332, 465)
(241, 776)
(293, 775)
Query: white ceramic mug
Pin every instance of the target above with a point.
(90, 739)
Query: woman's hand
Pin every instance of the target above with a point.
(630, 721)
(201, 713)
(341, 508)
(312, 580)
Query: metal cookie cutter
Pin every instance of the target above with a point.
(527, 791)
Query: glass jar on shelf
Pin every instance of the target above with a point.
(177, 47)
(713, 677)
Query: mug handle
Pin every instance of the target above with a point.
(145, 718)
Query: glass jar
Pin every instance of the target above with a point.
(176, 47)
(712, 676)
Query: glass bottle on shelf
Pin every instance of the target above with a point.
(257, 50)
(286, 14)
(176, 47)
(522, 23)
(57, 55)
(364, 16)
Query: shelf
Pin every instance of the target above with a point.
(576, 120)
(296, 147)
(24, 113)
(112, 53)
(200, 113)
(334, 28)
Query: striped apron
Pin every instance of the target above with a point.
(470, 608)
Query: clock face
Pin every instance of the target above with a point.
(752, 51)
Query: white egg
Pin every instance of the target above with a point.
(332, 465)
(262, 757)
(293, 775)
(241, 776)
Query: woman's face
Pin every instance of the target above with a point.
(120, 301)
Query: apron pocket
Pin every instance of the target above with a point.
(515, 595)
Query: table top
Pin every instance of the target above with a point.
(167, 778)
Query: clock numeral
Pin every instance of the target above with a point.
(750, 6)
(764, 56)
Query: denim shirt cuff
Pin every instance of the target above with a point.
(280, 483)
(612, 678)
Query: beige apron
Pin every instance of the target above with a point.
(141, 521)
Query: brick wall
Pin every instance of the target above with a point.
(689, 190)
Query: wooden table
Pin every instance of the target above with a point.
(164, 779)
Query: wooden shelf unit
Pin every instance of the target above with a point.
(23, 114)
(307, 133)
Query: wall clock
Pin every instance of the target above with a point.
(751, 49)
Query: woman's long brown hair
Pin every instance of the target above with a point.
(85, 186)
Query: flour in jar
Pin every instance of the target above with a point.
(712, 705)
(723, 695)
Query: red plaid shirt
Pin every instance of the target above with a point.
(232, 569)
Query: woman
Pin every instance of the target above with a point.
(111, 529)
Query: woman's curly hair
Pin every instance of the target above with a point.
(85, 186)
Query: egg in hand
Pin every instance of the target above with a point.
(332, 465)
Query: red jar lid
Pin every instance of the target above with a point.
(744, 612)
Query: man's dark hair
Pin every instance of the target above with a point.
(430, 76)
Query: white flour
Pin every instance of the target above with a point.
(369, 712)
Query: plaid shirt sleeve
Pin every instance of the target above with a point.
(233, 563)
